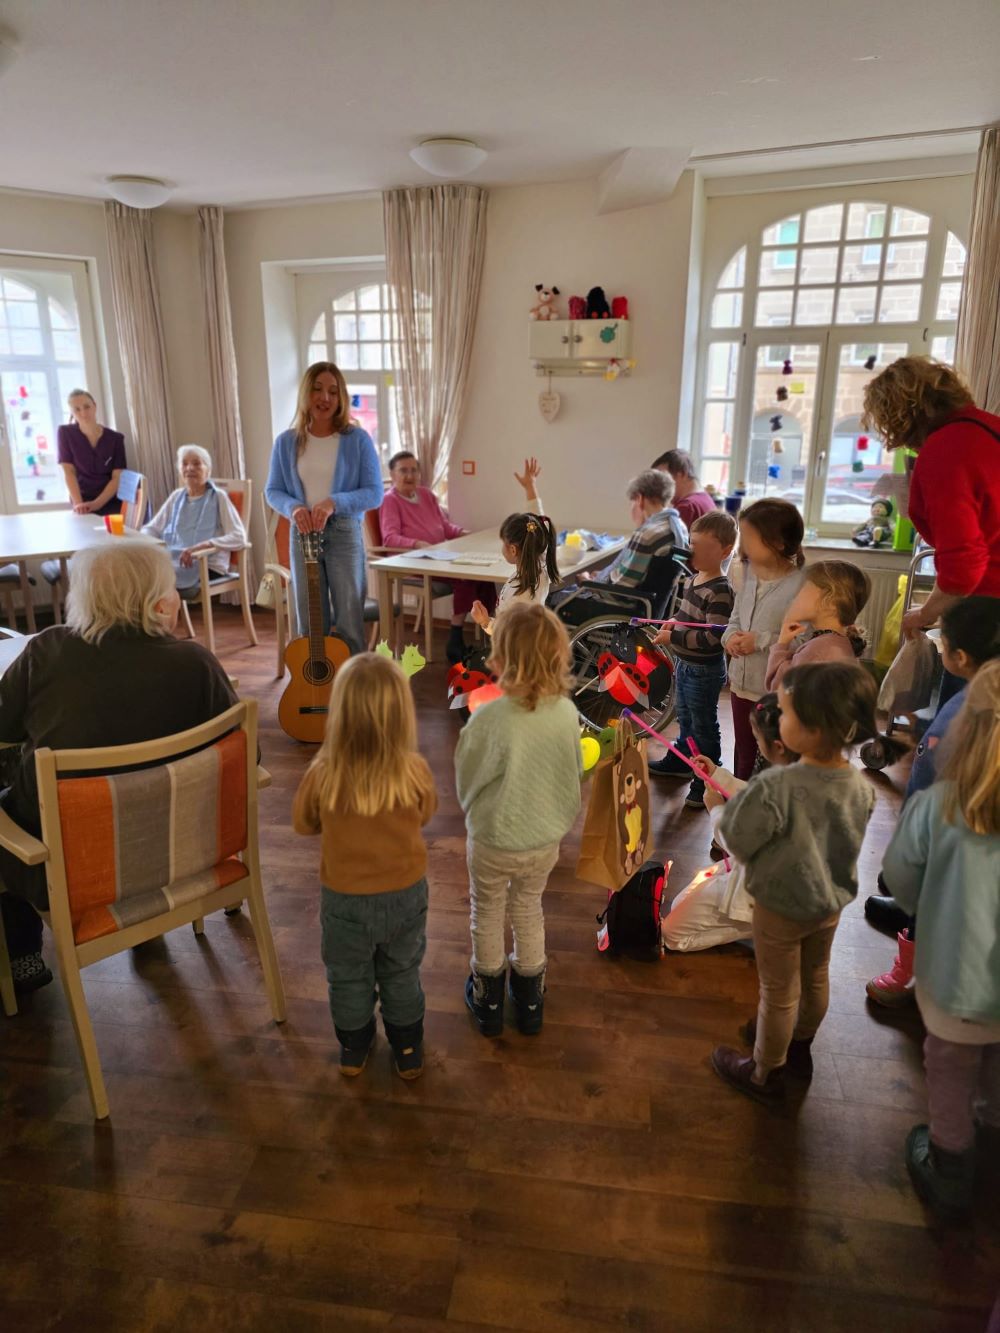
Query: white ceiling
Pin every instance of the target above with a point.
(239, 101)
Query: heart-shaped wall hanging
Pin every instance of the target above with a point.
(549, 404)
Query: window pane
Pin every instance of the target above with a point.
(368, 298)
(774, 308)
(823, 224)
(22, 314)
(723, 363)
(733, 273)
(943, 349)
(318, 334)
(778, 459)
(905, 222)
(717, 432)
(861, 263)
(954, 257)
(814, 305)
(67, 346)
(899, 304)
(364, 409)
(715, 472)
(345, 327)
(59, 318)
(345, 302)
(370, 327)
(856, 305)
(727, 310)
(32, 436)
(819, 265)
(347, 356)
(906, 259)
(317, 352)
(371, 356)
(865, 220)
(17, 291)
(26, 342)
(777, 268)
(785, 232)
(948, 298)
(4, 342)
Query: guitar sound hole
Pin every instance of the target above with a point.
(318, 671)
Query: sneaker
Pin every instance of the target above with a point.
(943, 1180)
(885, 915)
(355, 1048)
(29, 973)
(528, 996)
(717, 852)
(738, 1071)
(798, 1061)
(669, 767)
(407, 1048)
(692, 801)
(894, 989)
(484, 996)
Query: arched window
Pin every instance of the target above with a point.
(784, 366)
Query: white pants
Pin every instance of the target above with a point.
(502, 882)
(713, 909)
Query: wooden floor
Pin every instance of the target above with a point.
(598, 1177)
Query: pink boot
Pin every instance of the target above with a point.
(894, 988)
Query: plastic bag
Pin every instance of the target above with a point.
(888, 644)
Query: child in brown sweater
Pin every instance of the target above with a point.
(370, 793)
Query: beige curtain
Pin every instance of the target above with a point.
(977, 351)
(140, 337)
(227, 446)
(435, 238)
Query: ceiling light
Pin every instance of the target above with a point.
(448, 157)
(139, 191)
(861, 60)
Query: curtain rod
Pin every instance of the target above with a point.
(836, 143)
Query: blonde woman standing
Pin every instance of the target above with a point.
(324, 476)
(91, 456)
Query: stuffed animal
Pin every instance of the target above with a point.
(597, 304)
(877, 531)
(619, 307)
(543, 307)
(577, 307)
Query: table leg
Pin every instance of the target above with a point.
(386, 626)
(29, 605)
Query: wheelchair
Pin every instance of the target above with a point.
(616, 665)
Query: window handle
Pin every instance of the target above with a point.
(820, 460)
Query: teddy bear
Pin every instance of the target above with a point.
(543, 307)
(597, 304)
(878, 529)
(577, 307)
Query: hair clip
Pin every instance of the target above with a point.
(532, 526)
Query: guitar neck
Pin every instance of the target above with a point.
(316, 649)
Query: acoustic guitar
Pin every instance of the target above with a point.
(312, 660)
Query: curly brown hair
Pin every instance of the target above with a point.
(911, 398)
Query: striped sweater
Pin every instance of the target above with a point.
(711, 603)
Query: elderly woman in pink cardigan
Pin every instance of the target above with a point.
(412, 517)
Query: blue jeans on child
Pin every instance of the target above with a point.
(341, 580)
(373, 944)
(697, 687)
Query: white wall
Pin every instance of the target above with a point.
(605, 432)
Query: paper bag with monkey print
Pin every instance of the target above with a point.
(616, 838)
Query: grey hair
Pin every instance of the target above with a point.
(116, 585)
(203, 454)
(651, 485)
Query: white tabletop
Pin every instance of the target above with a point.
(51, 535)
(487, 542)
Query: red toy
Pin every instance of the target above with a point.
(577, 307)
(624, 682)
(619, 307)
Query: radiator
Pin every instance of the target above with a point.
(884, 592)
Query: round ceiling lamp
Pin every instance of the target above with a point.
(448, 157)
(139, 191)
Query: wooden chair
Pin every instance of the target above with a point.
(238, 578)
(10, 583)
(130, 854)
(55, 572)
(424, 587)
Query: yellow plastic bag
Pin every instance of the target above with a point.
(888, 644)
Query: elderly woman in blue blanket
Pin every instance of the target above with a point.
(197, 517)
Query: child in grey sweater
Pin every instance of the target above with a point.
(798, 831)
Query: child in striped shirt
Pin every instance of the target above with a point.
(705, 598)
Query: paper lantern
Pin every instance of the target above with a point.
(870, 363)
(862, 443)
(786, 369)
(782, 393)
(776, 422)
(485, 694)
(590, 752)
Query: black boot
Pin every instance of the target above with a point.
(886, 915)
(407, 1044)
(798, 1061)
(484, 996)
(355, 1048)
(529, 1003)
(455, 647)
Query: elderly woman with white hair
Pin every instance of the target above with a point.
(197, 517)
(112, 675)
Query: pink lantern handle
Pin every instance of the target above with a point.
(679, 754)
(678, 624)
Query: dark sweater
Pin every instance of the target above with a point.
(710, 603)
(67, 694)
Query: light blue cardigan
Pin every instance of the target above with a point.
(949, 877)
(356, 484)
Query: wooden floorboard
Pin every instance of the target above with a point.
(598, 1177)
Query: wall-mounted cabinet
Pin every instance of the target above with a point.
(579, 347)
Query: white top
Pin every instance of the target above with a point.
(316, 464)
(509, 593)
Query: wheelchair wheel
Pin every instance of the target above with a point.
(598, 708)
(874, 754)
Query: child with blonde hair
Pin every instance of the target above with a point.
(517, 769)
(369, 793)
(819, 625)
(944, 861)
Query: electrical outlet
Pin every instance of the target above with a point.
(468, 467)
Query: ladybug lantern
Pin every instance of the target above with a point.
(626, 684)
(462, 682)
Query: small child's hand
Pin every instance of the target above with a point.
(713, 799)
(741, 644)
(789, 630)
(663, 635)
(480, 614)
(532, 470)
(707, 766)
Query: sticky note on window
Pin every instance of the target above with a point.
(797, 386)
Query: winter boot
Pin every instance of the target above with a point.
(885, 915)
(407, 1044)
(455, 647)
(798, 1061)
(943, 1180)
(484, 996)
(738, 1072)
(528, 994)
(355, 1048)
(894, 988)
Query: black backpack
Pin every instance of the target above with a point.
(631, 921)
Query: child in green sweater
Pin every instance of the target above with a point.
(517, 769)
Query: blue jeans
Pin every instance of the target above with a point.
(373, 944)
(341, 581)
(697, 692)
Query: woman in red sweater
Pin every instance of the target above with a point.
(920, 404)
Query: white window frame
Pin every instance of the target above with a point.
(79, 272)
